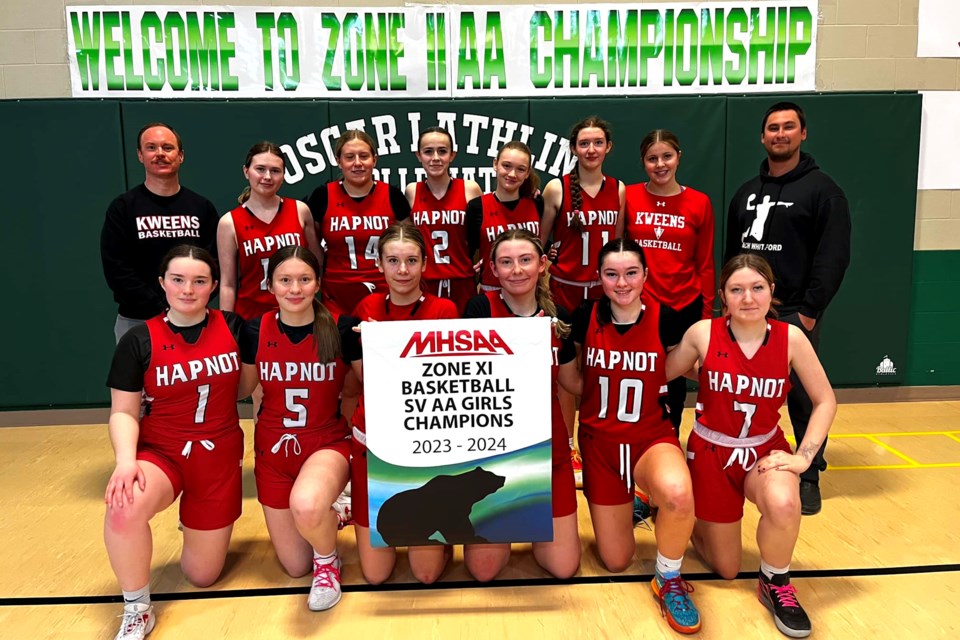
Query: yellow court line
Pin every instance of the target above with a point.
(893, 451)
(933, 465)
(949, 434)
(872, 437)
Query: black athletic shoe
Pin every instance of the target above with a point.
(780, 597)
(810, 503)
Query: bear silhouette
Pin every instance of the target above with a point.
(442, 504)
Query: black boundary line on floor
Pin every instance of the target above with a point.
(522, 582)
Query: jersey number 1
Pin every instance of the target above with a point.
(585, 238)
(204, 392)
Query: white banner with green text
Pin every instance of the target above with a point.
(442, 51)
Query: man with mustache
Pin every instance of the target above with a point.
(144, 223)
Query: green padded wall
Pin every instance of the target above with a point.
(869, 144)
(59, 315)
(934, 343)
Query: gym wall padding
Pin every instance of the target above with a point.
(869, 144)
(81, 154)
(65, 161)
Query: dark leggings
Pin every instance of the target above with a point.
(677, 323)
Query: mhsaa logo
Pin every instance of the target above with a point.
(455, 343)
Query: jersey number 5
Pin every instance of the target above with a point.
(294, 406)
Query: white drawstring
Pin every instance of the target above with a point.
(626, 473)
(284, 441)
(187, 448)
(742, 455)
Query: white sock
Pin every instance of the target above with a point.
(770, 571)
(325, 559)
(667, 568)
(140, 596)
(570, 440)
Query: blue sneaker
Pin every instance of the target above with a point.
(675, 603)
(641, 510)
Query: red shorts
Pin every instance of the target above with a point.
(717, 491)
(564, 485)
(608, 465)
(341, 298)
(211, 480)
(358, 484)
(276, 471)
(564, 488)
(570, 296)
(459, 290)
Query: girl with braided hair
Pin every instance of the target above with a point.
(581, 211)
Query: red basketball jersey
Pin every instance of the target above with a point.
(299, 391)
(578, 250)
(351, 230)
(191, 389)
(741, 397)
(676, 233)
(624, 377)
(559, 437)
(256, 242)
(497, 219)
(443, 223)
(377, 306)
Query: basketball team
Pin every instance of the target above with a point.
(620, 268)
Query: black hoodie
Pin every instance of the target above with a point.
(800, 223)
(139, 229)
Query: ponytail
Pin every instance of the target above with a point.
(326, 336)
(576, 192)
(576, 201)
(560, 328)
(244, 195)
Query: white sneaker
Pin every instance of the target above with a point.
(325, 590)
(137, 621)
(344, 508)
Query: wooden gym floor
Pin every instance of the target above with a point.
(882, 560)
